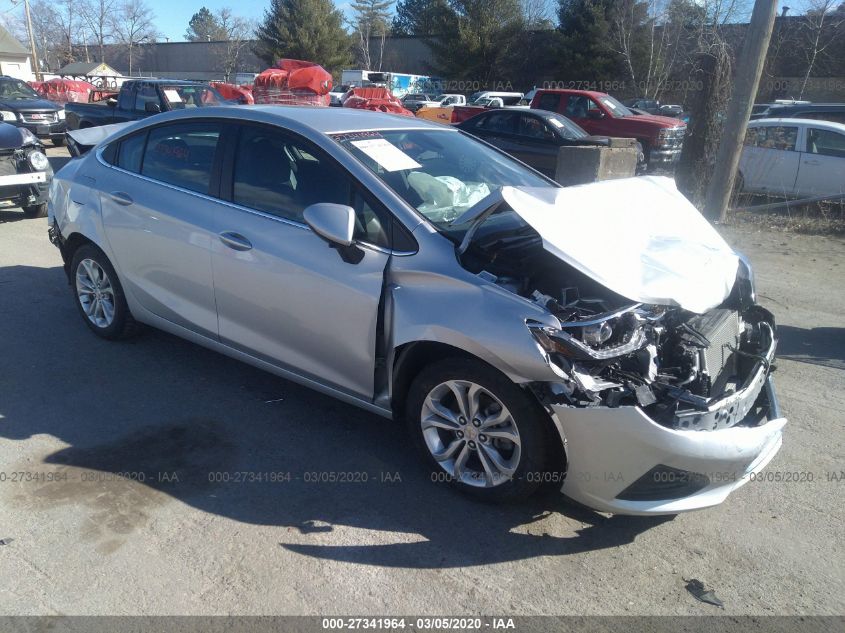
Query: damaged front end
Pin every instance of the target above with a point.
(686, 371)
(663, 387)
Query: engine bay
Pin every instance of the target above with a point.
(685, 370)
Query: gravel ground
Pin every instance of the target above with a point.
(79, 409)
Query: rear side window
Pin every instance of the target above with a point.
(778, 137)
(549, 101)
(126, 97)
(498, 122)
(131, 152)
(182, 155)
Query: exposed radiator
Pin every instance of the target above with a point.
(723, 328)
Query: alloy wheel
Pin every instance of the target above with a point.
(470, 433)
(95, 292)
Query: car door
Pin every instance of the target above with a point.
(535, 143)
(156, 215)
(770, 160)
(283, 295)
(822, 169)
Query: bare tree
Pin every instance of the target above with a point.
(371, 19)
(238, 34)
(46, 31)
(536, 14)
(819, 29)
(67, 24)
(97, 17)
(133, 24)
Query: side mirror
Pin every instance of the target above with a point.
(335, 223)
(111, 102)
(595, 114)
(152, 108)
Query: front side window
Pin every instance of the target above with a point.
(146, 94)
(282, 176)
(182, 154)
(825, 143)
(439, 173)
(534, 128)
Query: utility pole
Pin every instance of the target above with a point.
(749, 70)
(34, 60)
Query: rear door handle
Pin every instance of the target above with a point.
(121, 198)
(235, 241)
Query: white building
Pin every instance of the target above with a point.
(14, 58)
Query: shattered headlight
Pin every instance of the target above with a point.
(602, 337)
(38, 161)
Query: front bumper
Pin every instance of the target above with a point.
(43, 130)
(622, 461)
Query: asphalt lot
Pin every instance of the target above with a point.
(79, 409)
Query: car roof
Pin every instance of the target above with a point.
(806, 106)
(322, 120)
(831, 125)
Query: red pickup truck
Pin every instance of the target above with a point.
(602, 115)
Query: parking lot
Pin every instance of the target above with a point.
(83, 421)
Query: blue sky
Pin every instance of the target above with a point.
(172, 16)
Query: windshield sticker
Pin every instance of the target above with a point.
(555, 122)
(386, 154)
(609, 103)
(172, 96)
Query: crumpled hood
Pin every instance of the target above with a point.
(639, 237)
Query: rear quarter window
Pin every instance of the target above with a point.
(549, 101)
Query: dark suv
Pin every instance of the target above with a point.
(21, 106)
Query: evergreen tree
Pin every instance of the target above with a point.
(204, 27)
(586, 52)
(311, 30)
(480, 42)
(422, 17)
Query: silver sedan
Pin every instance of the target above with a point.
(603, 337)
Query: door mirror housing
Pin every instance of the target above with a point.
(595, 114)
(111, 102)
(335, 223)
(152, 108)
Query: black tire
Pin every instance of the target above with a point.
(531, 421)
(57, 141)
(35, 211)
(122, 325)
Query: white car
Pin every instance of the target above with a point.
(793, 158)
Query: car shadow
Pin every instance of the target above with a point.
(57, 162)
(11, 214)
(818, 346)
(158, 419)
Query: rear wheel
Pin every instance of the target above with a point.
(477, 430)
(99, 295)
(35, 211)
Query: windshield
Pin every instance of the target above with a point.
(615, 106)
(16, 89)
(188, 96)
(569, 129)
(439, 173)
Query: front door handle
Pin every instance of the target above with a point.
(121, 198)
(235, 241)
(811, 162)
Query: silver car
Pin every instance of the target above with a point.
(603, 338)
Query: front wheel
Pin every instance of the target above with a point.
(99, 295)
(477, 430)
(58, 141)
